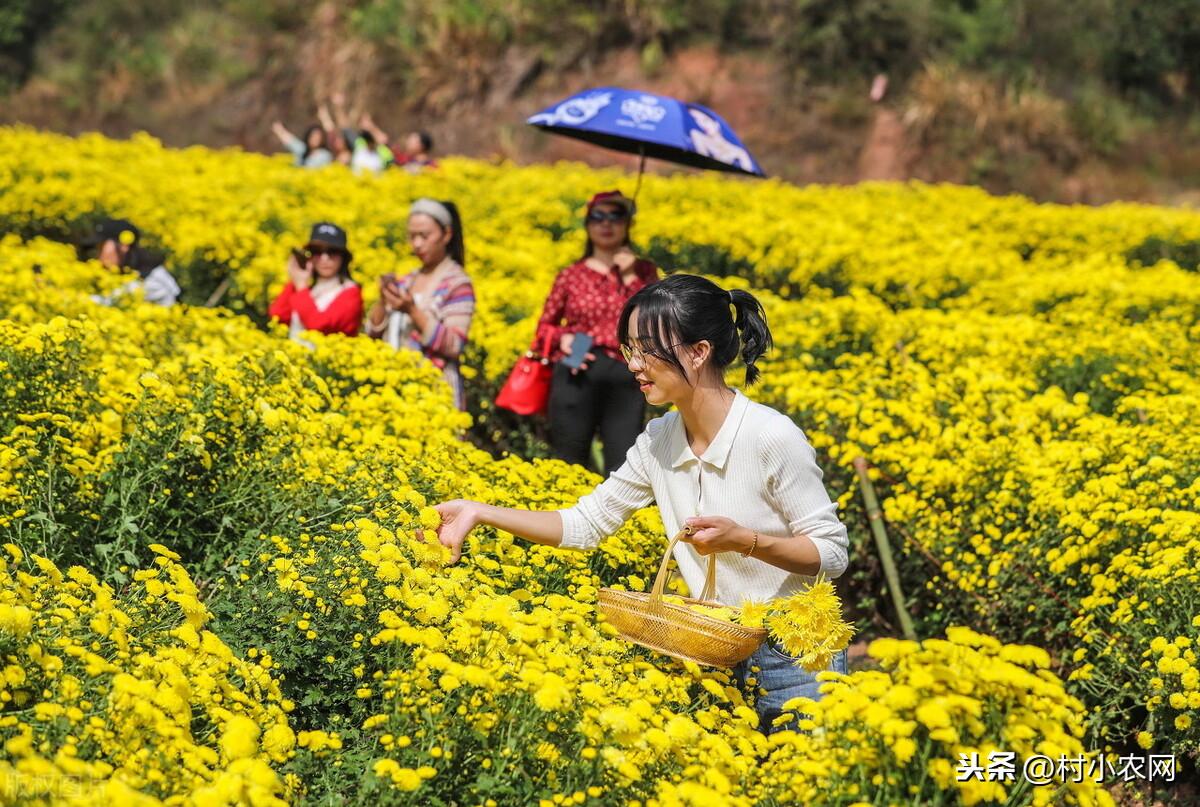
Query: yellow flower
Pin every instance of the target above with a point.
(16, 619)
(904, 748)
(809, 625)
(239, 738)
(278, 741)
(553, 694)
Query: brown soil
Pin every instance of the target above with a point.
(800, 134)
(883, 156)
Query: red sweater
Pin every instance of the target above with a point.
(344, 314)
(583, 300)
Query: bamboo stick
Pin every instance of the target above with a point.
(875, 516)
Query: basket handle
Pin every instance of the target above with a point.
(660, 581)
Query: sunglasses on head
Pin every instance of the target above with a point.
(601, 215)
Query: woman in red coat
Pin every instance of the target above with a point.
(601, 396)
(320, 296)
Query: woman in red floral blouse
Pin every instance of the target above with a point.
(587, 297)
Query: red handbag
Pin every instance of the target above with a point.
(527, 390)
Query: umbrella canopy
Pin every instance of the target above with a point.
(650, 125)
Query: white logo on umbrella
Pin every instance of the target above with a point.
(645, 109)
(574, 111)
(710, 141)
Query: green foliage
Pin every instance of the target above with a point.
(1103, 378)
(698, 258)
(1102, 121)
(827, 39)
(22, 25)
(1185, 254)
(1154, 41)
(1017, 40)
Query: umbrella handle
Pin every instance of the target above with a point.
(641, 170)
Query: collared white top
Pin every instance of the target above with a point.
(760, 470)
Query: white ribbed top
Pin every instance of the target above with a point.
(760, 471)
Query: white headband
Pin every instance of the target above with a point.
(434, 209)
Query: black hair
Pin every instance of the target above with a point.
(316, 127)
(368, 138)
(426, 140)
(589, 248)
(686, 309)
(143, 261)
(456, 249)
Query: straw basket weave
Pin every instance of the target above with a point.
(676, 630)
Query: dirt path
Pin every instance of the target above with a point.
(882, 156)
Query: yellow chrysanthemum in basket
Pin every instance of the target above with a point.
(808, 625)
(716, 611)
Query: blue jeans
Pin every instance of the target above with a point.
(782, 680)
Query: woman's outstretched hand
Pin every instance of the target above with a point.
(717, 534)
(458, 519)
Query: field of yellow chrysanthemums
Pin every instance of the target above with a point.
(216, 585)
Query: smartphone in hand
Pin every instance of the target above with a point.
(580, 346)
(301, 257)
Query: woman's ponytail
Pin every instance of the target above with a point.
(751, 322)
(687, 309)
(456, 249)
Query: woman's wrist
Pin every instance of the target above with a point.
(748, 540)
(478, 512)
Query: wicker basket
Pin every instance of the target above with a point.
(675, 630)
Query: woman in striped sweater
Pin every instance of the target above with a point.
(430, 309)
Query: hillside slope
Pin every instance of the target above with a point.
(1060, 106)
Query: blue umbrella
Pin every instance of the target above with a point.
(651, 126)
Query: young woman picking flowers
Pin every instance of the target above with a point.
(741, 474)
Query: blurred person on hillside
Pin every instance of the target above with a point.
(116, 243)
(601, 396)
(320, 294)
(739, 479)
(430, 308)
(311, 152)
(418, 153)
(341, 135)
(371, 151)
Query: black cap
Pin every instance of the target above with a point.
(328, 234)
(119, 230)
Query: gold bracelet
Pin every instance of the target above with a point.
(753, 547)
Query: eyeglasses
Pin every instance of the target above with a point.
(613, 216)
(319, 251)
(631, 353)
